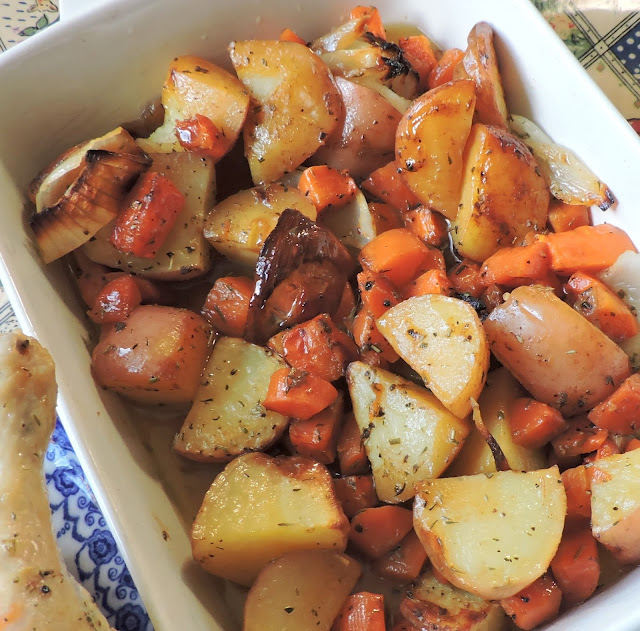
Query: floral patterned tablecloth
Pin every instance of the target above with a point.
(603, 34)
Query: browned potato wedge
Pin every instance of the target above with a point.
(615, 505)
(156, 356)
(260, 508)
(238, 226)
(227, 417)
(442, 339)
(366, 139)
(430, 141)
(409, 434)
(439, 607)
(197, 86)
(301, 591)
(554, 352)
(185, 253)
(500, 391)
(296, 105)
(494, 534)
(503, 196)
(481, 64)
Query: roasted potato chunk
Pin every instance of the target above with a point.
(227, 417)
(296, 105)
(491, 535)
(260, 508)
(430, 141)
(503, 196)
(408, 434)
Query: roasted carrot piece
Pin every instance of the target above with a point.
(465, 278)
(116, 300)
(534, 424)
(317, 347)
(576, 567)
(152, 208)
(601, 306)
(376, 292)
(287, 35)
(351, 453)
(534, 604)
(419, 52)
(368, 338)
(201, 134)
(577, 485)
(564, 217)
(376, 531)
(397, 254)
(428, 225)
(608, 448)
(586, 248)
(492, 296)
(404, 563)
(443, 72)
(374, 21)
(227, 304)
(634, 443)
(298, 395)
(580, 437)
(620, 412)
(388, 185)
(515, 266)
(355, 493)
(327, 187)
(385, 216)
(433, 281)
(317, 436)
(363, 611)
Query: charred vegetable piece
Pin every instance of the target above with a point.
(300, 273)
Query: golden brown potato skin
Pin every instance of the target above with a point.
(503, 194)
(555, 353)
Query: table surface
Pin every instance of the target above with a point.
(603, 34)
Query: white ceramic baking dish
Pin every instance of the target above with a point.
(83, 77)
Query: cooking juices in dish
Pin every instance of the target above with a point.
(405, 341)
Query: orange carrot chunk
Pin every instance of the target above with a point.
(465, 279)
(316, 437)
(153, 206)
(577, 485)
(514, 266)
(564, 217)
(397, 254)
(327, 187)
(575, 566)
(443, 72)
(534, 424)
(368, 338)
(287, 35)
(298, 395)
(317, 347)
(433, 281)
(385, 216)
(634, 443)
(620, 412)
(227, 304)
(428, 225)
(388, 185)
(116, 300)
(363, 611)
(374, 21)
(355, 493)
(535, 604)
(601, 306)
(419, 52)
(376, 292)
(580, 437)
(201, 134)
(351, 453)
(608, 448)
(376, 531)
(587, 248)
(404, 563)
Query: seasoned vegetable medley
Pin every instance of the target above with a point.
(378, 300)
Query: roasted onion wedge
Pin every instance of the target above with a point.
(568, 177)
(89, 204)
